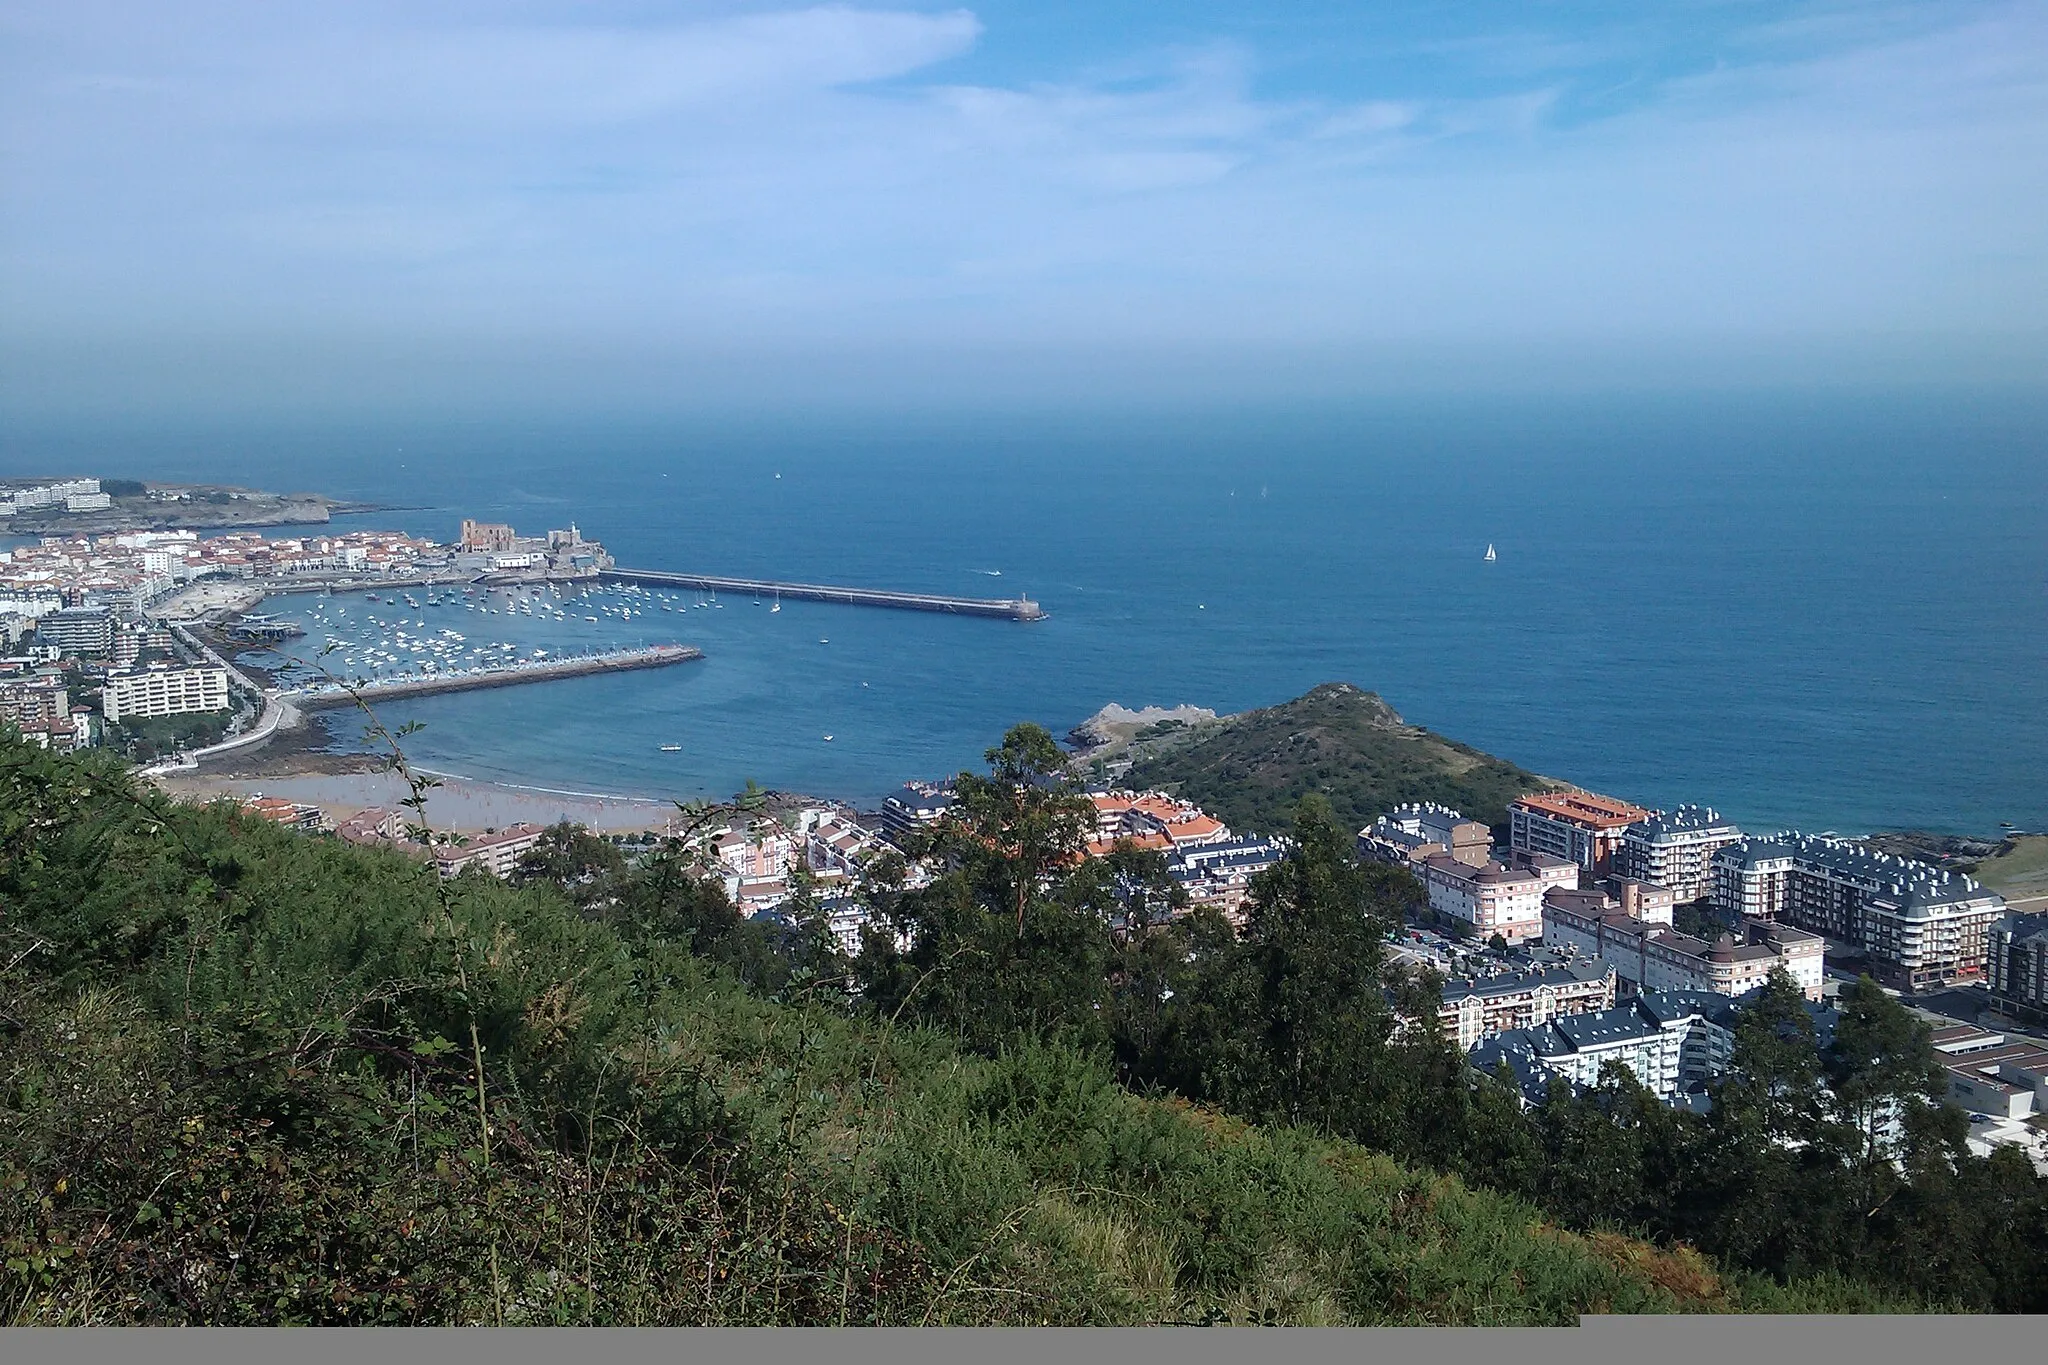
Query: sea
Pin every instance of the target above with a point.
(1822, 611)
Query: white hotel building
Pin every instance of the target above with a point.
(138, 692)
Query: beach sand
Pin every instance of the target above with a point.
(459, 804)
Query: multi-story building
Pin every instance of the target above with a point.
(279, 811)
(1409, 836)
(2016, 967)
(1676, 849)
(1920, 925)
(1662, 1043)
(137, 692)
(78, 630)
(1478, 1007)
(1577, 826)
(1219, 875)
(495, 851)
(1655, 957)
(36, 700)
(914, 806)
(1491, 898)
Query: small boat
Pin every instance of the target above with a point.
(823, 641)
(671, 748)
(828, 739)
(1490, 555)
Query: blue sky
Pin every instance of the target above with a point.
(652, 202)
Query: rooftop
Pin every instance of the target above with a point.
(1583, 808)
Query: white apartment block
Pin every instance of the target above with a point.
(497, 852)
(1478, 1008)
(1922, 926)
(1676, 849)
(141, 692)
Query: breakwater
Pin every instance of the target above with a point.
(1004, 608)
(385, 689)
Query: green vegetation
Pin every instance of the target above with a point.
(1341, 743)
(144, 738)
(123, 488)
(2019, 869)
(249, 1075)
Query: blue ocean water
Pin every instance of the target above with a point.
(1828, 612)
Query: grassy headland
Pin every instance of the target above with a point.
(1344, 743)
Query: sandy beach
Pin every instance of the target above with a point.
(458, 803)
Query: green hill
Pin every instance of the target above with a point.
(1338, 740)
(249, 1075)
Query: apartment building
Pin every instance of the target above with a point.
(1920, 925)
(1655, 957)
(1494, 899)
(914, 806)
(158, 691)
(495, 851)
(1410, 835)
(78, 630)
(1219, 875)
(2016, 966)
(1676, 849)
(1579, 827)
(1475, 1008)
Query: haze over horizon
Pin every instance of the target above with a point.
(632, 204)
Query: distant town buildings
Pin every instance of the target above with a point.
(1676, 849)
(1577, 826)
(1920, 925)
(496, 851)
(1671, 1041)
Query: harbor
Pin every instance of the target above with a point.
(1002, 608)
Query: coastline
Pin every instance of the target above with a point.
(462, 804)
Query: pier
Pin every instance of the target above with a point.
(426, 685)
(1002, 608)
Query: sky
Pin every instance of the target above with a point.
(627, 202)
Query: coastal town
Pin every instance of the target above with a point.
(1583, 930)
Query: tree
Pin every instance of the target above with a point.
(1313, 953)
(1883, 1071)
(1014, 937)
(574, 861)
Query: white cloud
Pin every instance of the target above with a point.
(821, 174)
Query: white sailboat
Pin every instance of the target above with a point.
(1490, 555)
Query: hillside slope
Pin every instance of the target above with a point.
(254, 1076)
(1339, 740)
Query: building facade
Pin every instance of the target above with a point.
(141, 692)
(78, 630)
(2016, 967)
(1921, 926)
(1410, 835)
(1676, 849)
(1577, 826)
(1478, 1008)
(497, 852)
(1491, 898)
(1655, 957)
